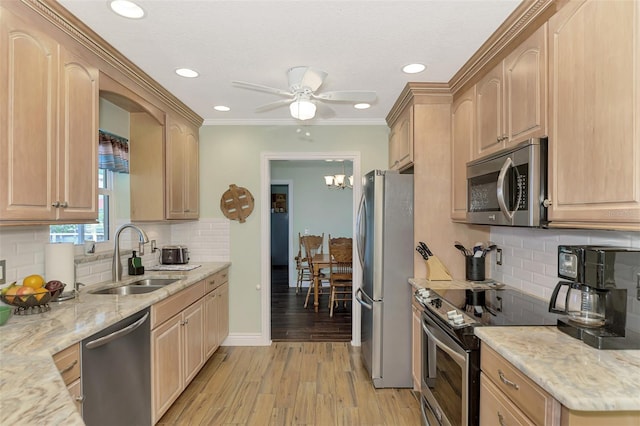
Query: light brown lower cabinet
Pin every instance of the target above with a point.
(68, 363)
(186, 329)
(509, 397)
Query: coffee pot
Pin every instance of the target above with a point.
(582, 304)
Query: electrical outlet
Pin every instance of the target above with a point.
(3, 271)
(499, 256)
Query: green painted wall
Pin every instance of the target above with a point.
(231, 154)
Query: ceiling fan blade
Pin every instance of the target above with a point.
(273, 105)
(300, 77)
(261, 88)
(324, 111)
(347, 96)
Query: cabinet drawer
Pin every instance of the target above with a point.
(496, 409)
(216, 280)
(537, 404)
(162, 311)
(68, 363)
(75, 389)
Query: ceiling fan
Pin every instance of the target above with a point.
(302, 98)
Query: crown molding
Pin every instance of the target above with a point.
(419, 93)
(66, 22)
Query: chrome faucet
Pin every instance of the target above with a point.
(116, 268)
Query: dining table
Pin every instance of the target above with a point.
(319, 261)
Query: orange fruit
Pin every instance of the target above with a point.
(34, 281)
(40, 293)
(9, 295)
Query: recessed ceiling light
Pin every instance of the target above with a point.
(413, 68)
(186, 72)
(126, 8)
(222, 108)
(362, 106)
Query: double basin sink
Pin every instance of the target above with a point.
(146, 285)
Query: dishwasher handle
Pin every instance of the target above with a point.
(116, 334)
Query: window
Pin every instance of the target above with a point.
(98, 232)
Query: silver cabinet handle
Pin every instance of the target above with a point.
(69, 367)
(116, 334)
(501, 419)
(64, 205)
(80, 398)
(507, 381)
(56, 204)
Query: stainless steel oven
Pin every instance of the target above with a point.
(446, 376)
(509, 187)
(450, 351)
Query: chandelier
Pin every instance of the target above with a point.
(339, 181)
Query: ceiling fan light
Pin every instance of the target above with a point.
(302, 109)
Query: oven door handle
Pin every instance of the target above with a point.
(500, 190)
(453, 354)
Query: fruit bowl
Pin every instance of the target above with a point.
(25, 301)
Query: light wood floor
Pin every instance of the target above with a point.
(290, 383)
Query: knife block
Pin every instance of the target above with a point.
(436, 271)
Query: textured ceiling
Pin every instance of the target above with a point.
(361, 44)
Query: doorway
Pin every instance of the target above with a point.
(276, 281)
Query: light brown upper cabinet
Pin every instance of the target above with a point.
(182, 173)
(511, 97)
(594, 158)
(462, 143)
(401, 141)
(49, 125)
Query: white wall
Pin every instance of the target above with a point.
(530, 260)
(232, 155)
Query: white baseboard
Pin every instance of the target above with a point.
(245, 339)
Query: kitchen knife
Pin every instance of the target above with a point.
(425, 248)
(422, 252)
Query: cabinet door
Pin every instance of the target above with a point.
(193, 326)
(416, 349)
(29, 65)
(192, 175)
(211, 342)
(401, 141)
(462, 142)
(175, 169)
(489, 109)
(167, 374)
(595, 114)
(526, 89)
(223, 311)
(78, 140)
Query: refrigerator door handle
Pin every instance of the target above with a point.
(362, 302)
(360, 229)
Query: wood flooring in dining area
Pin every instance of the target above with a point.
(290, 383)
(291, 322)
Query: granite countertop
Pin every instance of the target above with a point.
(31, 389)
(580, 377)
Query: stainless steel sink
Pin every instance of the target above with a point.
(153, 281)
(146, 285)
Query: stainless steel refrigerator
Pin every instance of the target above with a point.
(385, 248)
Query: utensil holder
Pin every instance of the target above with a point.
(474, 268)
(436, 271)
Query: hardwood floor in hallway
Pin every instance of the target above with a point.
(290, 383)
(291, 322)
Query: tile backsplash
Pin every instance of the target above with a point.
(530, 260)
(208, 240)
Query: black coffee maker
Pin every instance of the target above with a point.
(594, 299)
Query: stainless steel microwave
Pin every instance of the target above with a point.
(509, 187)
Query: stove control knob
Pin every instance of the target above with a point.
(458, 319)
(452, 314)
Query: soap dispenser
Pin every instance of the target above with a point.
(135, 265)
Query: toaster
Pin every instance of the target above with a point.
(174, 255)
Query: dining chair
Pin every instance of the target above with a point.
(313, 244)
(341, 271)
(302, 266)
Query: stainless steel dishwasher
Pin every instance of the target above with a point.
(116, 373)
